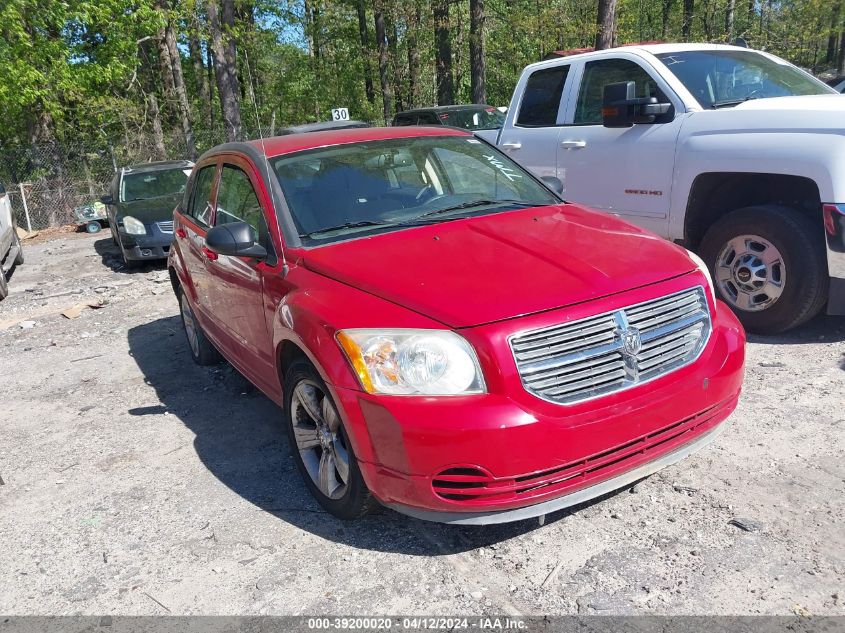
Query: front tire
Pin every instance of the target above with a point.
(320, 446)
(202, 351)
(19, 258)
(768, 264)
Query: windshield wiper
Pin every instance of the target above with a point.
(348, 225)
(472, 205)
(733, 102)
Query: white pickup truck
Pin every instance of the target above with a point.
(11, 253)
(733, 153)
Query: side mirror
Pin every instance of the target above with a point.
(553, 183)
(622, 108)
(107, 199)
(236, 239)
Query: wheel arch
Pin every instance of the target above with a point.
(715, 194)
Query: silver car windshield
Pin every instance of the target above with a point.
(355, 189)
(724, 78)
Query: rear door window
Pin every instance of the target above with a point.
(200, 206)
(541, 99)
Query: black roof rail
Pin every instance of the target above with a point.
(320, 127)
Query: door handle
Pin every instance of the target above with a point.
(513, 145)
(573, 144)
(210, 254)
(181, 234)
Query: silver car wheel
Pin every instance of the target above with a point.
(750, 273)
(190, 325)
(316, 428)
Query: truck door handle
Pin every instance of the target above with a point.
(514, 145)
(573, 144)
(210, 254)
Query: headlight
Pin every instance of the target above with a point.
(412, 362)
(703, 268)
(134, 226)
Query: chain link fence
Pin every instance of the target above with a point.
(46, 183)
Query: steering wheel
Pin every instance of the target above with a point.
(422, 192)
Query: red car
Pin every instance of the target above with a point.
(445, 336)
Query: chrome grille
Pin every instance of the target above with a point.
(165, 227)
(617, 350)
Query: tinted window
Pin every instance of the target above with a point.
(362, 188)
(153, 184)
(474, 119)
(427, 118)
(201, 201)
(236, 199)
(723, 78)
(541, 100)
(598, 74)
(404, 119)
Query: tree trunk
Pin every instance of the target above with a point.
(729, 20)
(363, 33)
(443, 53)
(158, 134)
(200, 78)
(414, 20)
(209, 70)
(605, 23)
(381, 41)
(393, 54)
(841, 60)
(477, 61)
(165, 65)
(667, 10)
(833, 37)
(225, 67)
(181, 92)
(689, 14)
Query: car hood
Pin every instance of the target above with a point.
(811, 113)
(151, 209)
(479, 270)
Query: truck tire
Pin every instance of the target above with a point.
(19, 258)
(4, 285)
(768, 265)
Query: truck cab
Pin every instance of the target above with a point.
(734, 153)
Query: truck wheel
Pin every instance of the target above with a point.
(321, 447)
(19, 258)
(768, 264)
(4, 285)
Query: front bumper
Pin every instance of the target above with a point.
(834, 228)
(527, 457)
(154, 245)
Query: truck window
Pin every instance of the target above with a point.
(541, 99)
(601, 72)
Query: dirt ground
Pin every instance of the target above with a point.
(135, 482)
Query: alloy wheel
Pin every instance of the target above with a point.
(190, 326)
(319, 440)
(750, 273)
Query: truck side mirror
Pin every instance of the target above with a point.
(622, 108)
(107, 199)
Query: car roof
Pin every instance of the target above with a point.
(279, 145)
(653, 49)
(449, 108)
(160, 165)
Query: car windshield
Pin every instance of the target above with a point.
(153, 184)
(724, 78)
(473, 119)
(357, 189)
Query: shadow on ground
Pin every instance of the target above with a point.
(823, 328)
(240, 439)
(111, 257)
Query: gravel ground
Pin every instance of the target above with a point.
(135, 482)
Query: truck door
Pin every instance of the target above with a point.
(627, 171)
(530, 133)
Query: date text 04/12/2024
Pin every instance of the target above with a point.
(486, 623)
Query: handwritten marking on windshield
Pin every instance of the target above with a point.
(507, 172)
